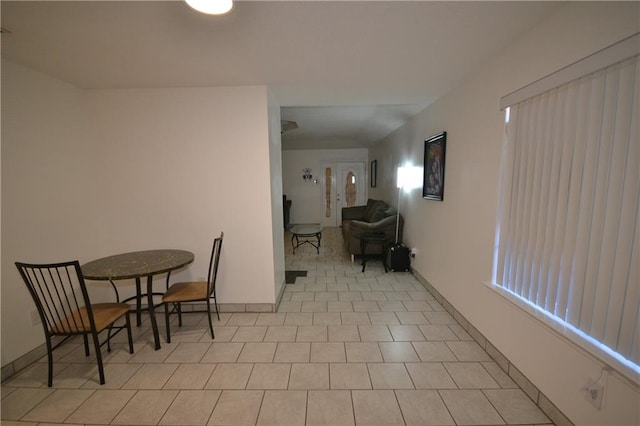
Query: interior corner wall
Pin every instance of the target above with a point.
(277, 225)
(455, 237)
(307, 197)
(91, 173)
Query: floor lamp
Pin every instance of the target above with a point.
(409, 177)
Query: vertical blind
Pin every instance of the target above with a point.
(568, 234)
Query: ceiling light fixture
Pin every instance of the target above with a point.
(211, 7)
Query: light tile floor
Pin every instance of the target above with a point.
(345, 348)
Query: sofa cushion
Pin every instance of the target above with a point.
(377, 215)
(371, 211)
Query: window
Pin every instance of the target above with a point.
(568, 237)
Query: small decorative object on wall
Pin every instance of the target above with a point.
(374, 173)
(434, 151)
(306, 174)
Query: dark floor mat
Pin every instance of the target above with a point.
(290, 276)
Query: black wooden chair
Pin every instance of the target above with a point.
(196, 291)
(60, 294)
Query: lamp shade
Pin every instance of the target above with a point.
(211, 7)
(409, 177)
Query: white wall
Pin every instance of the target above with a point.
(275, 161)
(455, 237)
(92, 173)
(307, 198)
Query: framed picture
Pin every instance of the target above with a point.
(374, 173)
(434, 153)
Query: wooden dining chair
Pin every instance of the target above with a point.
(194, 291)
(60, 294)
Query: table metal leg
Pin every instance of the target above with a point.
(152, 314)
(138, 302)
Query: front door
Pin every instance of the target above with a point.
(344, 186)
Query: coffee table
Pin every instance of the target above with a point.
(302, 234)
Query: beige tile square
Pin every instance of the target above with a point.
(271, 318)
(250, 333)
(375, 296)
(470, 375)
(101, 407)
(406, 333)
(327, 318)
(303, 296)
(290, 306)
(311, 333)
(116, 375)
(257, 352)
(391, 305)
(389, 376)
(366, 306)
(242, 318)
(343, 333)
(363, 352)
(146, 407)
(468, 351)
(223, 352)
(281, 333)
(417, 305)
(376, 407)
(430, 375)
(190, 376)
(309, 376)
(359, 286)
(433, 351)
(329, 408)
(349, 296)
(383, 318)
(499, 375)
(396, 296)
(237, 407)
(223, 334)
(398, 352)
(460, 332)
(438, 333)
(269, 376)
(230, 376)
(342, 306)
(20, 402)
(355, 318)
(191, 407)
(470, 407)
(299, 318)
(283, 408)
(188, 352)
(328, 352)
(409, 318)
(515, 407)
(423, 408)
(147, 353)
(57, 406)
(349, 376)
(151, 376)
(292, 352)
(439, 318)
(374, 333)
(326, 296)
(314, 306)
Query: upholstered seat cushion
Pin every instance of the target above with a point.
(104, 314)
(187, 291)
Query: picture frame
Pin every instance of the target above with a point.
(374, 174)
(434, 162)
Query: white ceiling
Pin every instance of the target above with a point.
(348, 72)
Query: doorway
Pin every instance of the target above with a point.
(345, 186)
